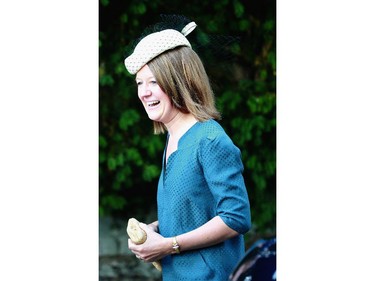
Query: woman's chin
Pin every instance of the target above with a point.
(153, 117)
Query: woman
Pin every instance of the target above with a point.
(202, 202)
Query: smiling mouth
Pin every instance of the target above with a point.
(153, 103)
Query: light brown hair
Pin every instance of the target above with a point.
(181, 75)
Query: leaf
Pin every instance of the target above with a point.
(128, 118)
(111, 163)
(106, 80)
(115, 201)
(102, 141)
(238, 8)
(151, 172)
(104, 2)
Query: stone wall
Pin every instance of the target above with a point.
(116, 261)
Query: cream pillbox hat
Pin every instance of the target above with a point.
(156, 43)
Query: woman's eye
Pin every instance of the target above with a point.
(154, 82)
(139, 83)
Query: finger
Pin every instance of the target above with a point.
(144, 226)
(141, 259)
(148, 229)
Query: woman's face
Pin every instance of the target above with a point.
(157, 104)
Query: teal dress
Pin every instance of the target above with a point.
(203, 179)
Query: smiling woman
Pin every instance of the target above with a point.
(244, 83)
(202, 203)
(155, 101)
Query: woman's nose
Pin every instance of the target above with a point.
(144, 92)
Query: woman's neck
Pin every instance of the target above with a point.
(180, 124)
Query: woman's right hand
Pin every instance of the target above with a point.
(154, 248)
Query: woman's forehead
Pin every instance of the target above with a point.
(144, 73)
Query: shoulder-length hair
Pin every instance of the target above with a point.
(181, 75)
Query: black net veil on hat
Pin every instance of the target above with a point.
(176, 22)
(211, 48)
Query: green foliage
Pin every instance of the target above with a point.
(245, 86)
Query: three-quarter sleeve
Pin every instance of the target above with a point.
(222, 167)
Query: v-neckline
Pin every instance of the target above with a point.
(166, 160)
(166, 150)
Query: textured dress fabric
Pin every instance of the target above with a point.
(203, 179)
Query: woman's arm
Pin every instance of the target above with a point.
(156, 246)
(211, 233)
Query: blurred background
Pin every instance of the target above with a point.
(243, 76)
